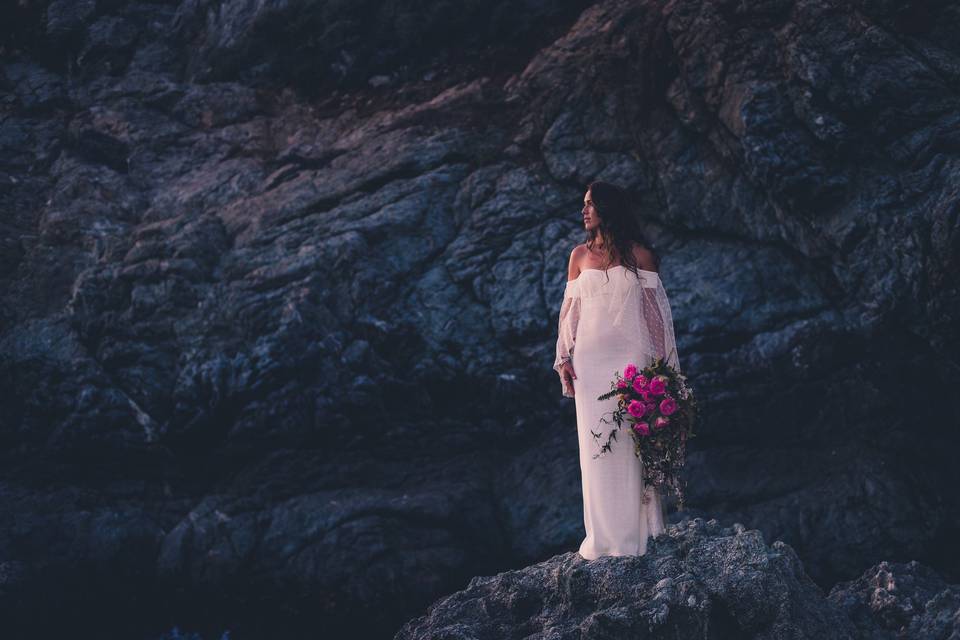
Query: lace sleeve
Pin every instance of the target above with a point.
(567, 331)
(657, 321)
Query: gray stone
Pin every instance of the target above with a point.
(238, 283)
(694, 581)
(900, 600)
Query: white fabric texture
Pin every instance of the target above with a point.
(607, 320)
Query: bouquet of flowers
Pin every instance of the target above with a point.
(660, 409)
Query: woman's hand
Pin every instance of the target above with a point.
(568, 375)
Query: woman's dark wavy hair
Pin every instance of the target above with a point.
(618, 226)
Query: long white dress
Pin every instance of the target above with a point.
(607, 320)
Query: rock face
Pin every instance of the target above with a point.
(280, 279)
(900, 600)
(697, 580)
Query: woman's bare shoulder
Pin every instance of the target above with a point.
(576, 259)
(645, 257)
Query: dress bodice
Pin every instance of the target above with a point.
(597, 282)
(619, 306)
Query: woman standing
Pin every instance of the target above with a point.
(614, 312)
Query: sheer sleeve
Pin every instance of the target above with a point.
(656, 318)
(567, 331)
(641, 312)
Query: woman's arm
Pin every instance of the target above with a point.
(567, 325)
(653, 321)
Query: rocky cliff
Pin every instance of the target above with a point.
(698, 580)
(280, 279)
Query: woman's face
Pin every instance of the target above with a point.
(591, 219)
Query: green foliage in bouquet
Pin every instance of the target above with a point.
(660, 410)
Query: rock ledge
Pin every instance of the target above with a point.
(697, 580)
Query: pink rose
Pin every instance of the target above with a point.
(642, 428)
(638, 386)
(668, 406)
(643, 379)
(622, 384)
(645, 394)
(630, 371)
(650, 407)
(661, 422)
(636, 409)
(656, 386)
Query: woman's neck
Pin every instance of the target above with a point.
(599, 248)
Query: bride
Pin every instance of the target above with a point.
(614, 312)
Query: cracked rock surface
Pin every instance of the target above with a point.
(697, 580)
(893, 600)
(279, 284)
